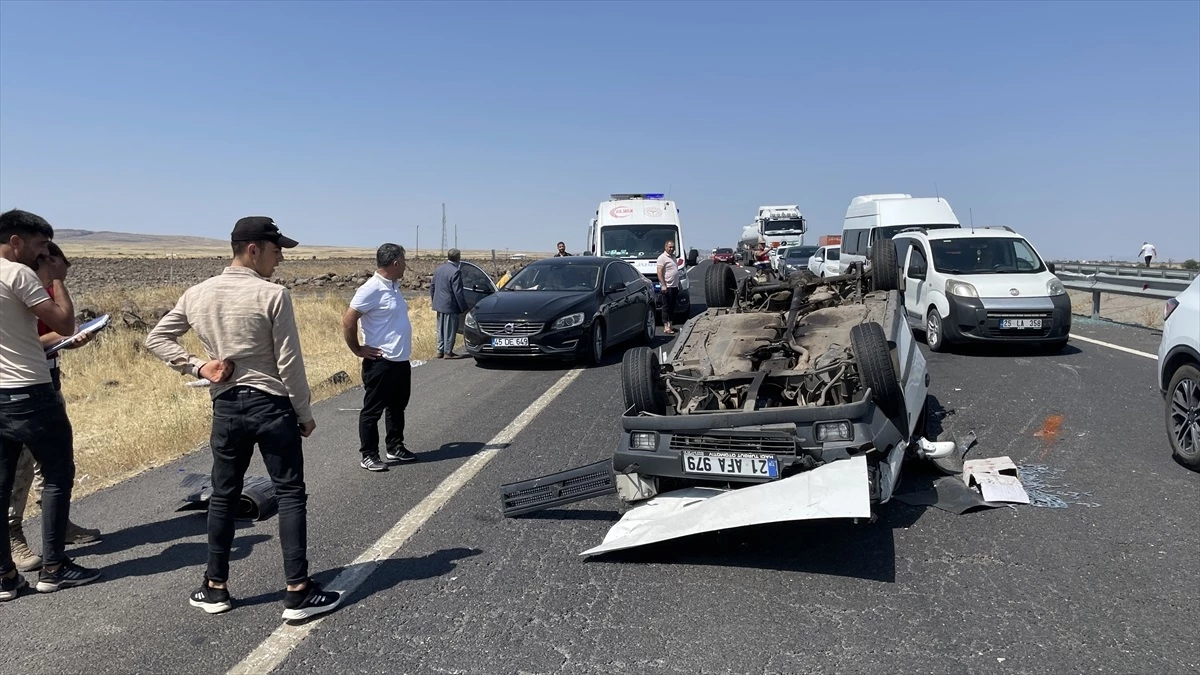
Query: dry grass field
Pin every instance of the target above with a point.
(1122, 308)
(130, 412)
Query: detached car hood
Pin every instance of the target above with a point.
(531, 305)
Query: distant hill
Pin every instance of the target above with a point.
(104, 237)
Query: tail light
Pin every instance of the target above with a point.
(1171, 305)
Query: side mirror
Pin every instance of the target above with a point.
(693, 257)
(917, 273)
(1050, 266)
(615, 287)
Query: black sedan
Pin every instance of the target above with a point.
(568, 308)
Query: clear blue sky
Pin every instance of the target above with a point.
(1076, 123)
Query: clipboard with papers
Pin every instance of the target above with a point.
(87, 328)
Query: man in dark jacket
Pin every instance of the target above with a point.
(449, 301)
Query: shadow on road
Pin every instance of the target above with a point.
(455, 450)
(1009, 350)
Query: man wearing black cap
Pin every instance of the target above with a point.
(260, 396)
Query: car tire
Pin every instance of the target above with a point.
(639, 382)
(595, 346)
(875, 368)
(1183, 416)
(720, 285)
(935, 334)
(885, 272)
(648, 330)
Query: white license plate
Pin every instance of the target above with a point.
(731, 464)
(510, 342)
(1020, 323)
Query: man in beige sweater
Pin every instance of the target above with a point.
(260, 396)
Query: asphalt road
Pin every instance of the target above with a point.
(1108, 584)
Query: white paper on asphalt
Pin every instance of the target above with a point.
(836, 490)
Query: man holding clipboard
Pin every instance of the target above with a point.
(29, 472)
(32, 413)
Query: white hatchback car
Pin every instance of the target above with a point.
(981, 284)
(825, 262)
(1179, 374)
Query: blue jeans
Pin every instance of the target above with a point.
(447, 332)
(35, 417)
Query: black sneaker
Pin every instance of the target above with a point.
(401, 455)
(211, 600)
(66, 576)
(11, 588)
(372, 464)
(308, 602)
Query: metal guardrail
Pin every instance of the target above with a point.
(1137, 271)
(1120, 284)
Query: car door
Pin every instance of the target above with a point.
(816, 261)
(916, 282)
(833, 265)
(477, 285)
(618, 297)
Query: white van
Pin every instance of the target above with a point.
(980, 284)
(872, 218)
(635, 227)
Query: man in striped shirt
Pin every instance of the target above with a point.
(260, 396)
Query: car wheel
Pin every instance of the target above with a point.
(720, 285)
(639, 382)
(885, 273)
(650, 327)
(934, 337)
(596, 343)
(875, 368)
(1183, 416)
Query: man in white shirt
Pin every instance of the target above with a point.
(32, 412)
(1148, 253)
(668, 278)
(386, 374)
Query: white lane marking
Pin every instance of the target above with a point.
(279, 644)
(1116, 347)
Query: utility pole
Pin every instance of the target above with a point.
(417, 253)
(443, 228)
(456, 235)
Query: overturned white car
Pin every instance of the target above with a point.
(816, 383)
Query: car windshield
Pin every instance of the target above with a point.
(985, 255)
(783, 225)
(801, 252)
(722, 251)
(556, 276)
(637, 241)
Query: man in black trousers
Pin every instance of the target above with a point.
(387, 377)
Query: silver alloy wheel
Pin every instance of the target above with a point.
(650, 324)
(933, 329)
(1185, 416)
(597, 342)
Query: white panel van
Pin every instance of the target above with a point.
(872, 218)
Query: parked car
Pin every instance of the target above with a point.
(567, 308)
(984, 284)
(795, 259)
(722, 255)
(826, 262)
(1179, 374)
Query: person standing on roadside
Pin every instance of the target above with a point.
(260, 396)
(1148, 252)
(32, 414)
(449, 301)
(380, 307)
(668, 279)
(29, 473)
(562, 250)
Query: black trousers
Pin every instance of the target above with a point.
(242, 418)
(35, 417)
(669, 297)
(388, 386)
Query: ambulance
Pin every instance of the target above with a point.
(635, 227)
